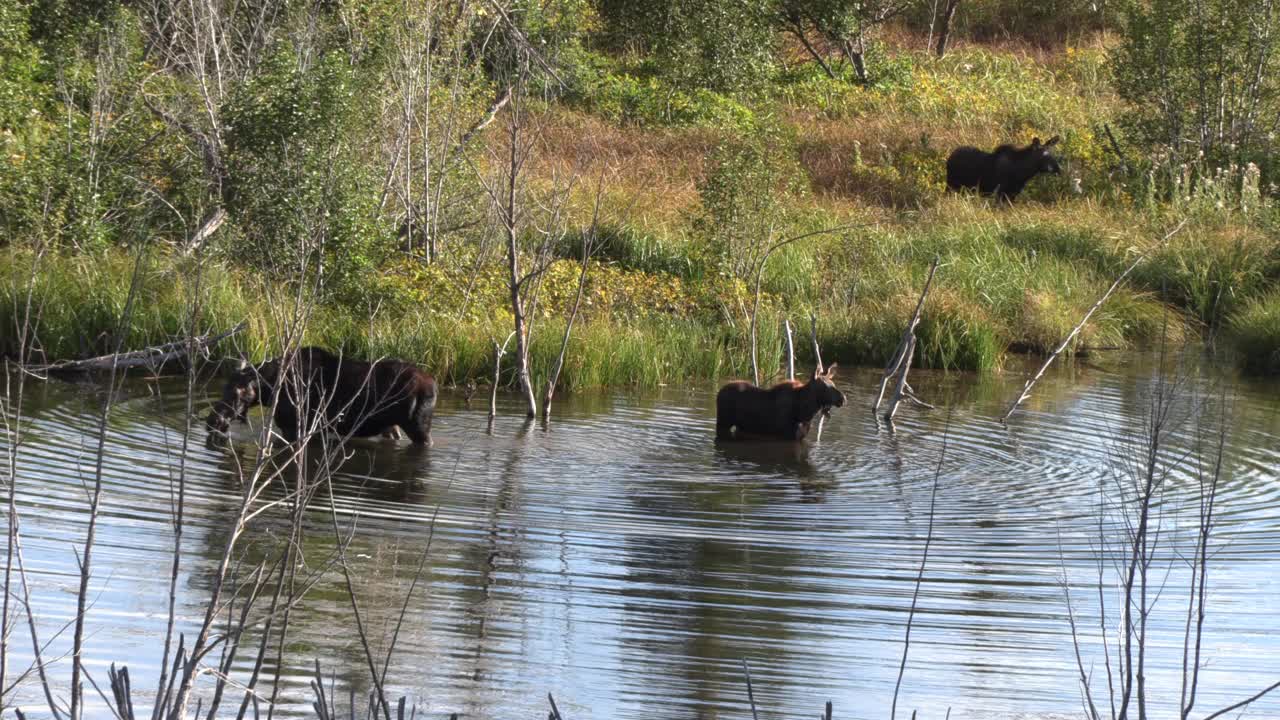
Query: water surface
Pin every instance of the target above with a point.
(619, 559)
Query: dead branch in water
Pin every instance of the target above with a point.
(817, 370)
(498, 352)
(900, 365)
(1026, 389)
(813, 335)
(588, 245)
(151, 357)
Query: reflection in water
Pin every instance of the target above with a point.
(618, 557)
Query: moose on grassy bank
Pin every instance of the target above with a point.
(782, 412)
(1003, 172)
(317, 390)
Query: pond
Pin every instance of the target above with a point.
(619, 559)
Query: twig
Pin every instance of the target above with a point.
(751, 695)
(791, 350)
(900, 365)
(755, 308)
(1115, 148)
(1026, 390)
(1244, 702)
(924, 558)
(813, 335)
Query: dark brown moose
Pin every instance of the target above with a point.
(349, 397)
(1003, 172)
(783, 412)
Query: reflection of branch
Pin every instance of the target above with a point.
(751, 695)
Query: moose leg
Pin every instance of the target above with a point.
(392, 433)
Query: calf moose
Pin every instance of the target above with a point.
(783, 412)
(1003, 172)
(351, 397)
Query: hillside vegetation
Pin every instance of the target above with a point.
(360, 174)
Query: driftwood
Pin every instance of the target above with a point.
(900, 365)
(1026, 389)
(151, 357)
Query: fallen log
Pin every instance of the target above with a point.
(152, 357)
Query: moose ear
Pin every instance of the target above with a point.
(1052, 141)
(1035, 142)
(831, 370)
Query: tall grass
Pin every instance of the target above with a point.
(79, 300)
(1255, 334)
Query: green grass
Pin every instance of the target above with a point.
(657, 310)
(1255, 334)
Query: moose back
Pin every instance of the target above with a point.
(316, 390)
(782, 412)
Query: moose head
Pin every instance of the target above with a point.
(825, 391)
(1043, 161)
(244, 389)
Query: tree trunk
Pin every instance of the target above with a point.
(854, 50)
(797, 29)
(513, 265)
(944, 31)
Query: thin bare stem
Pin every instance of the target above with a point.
(1026, 389)
(924, 559)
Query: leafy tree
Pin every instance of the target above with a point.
(718, 44)
(844, 24)
(1203, 77)
(747, 198)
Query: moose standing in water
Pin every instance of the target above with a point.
(783, 412)
(357, 398)
(1004, 172)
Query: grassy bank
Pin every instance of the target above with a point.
(1009, 280)
(1255, 334)
(684, 200)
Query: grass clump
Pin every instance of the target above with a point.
(1254, 332)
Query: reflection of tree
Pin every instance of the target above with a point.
(371, 473)
(699, 604)
(501, 542)
(789, 460)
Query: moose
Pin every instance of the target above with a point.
(782, 412)
(1003, 172)
(351, 397)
